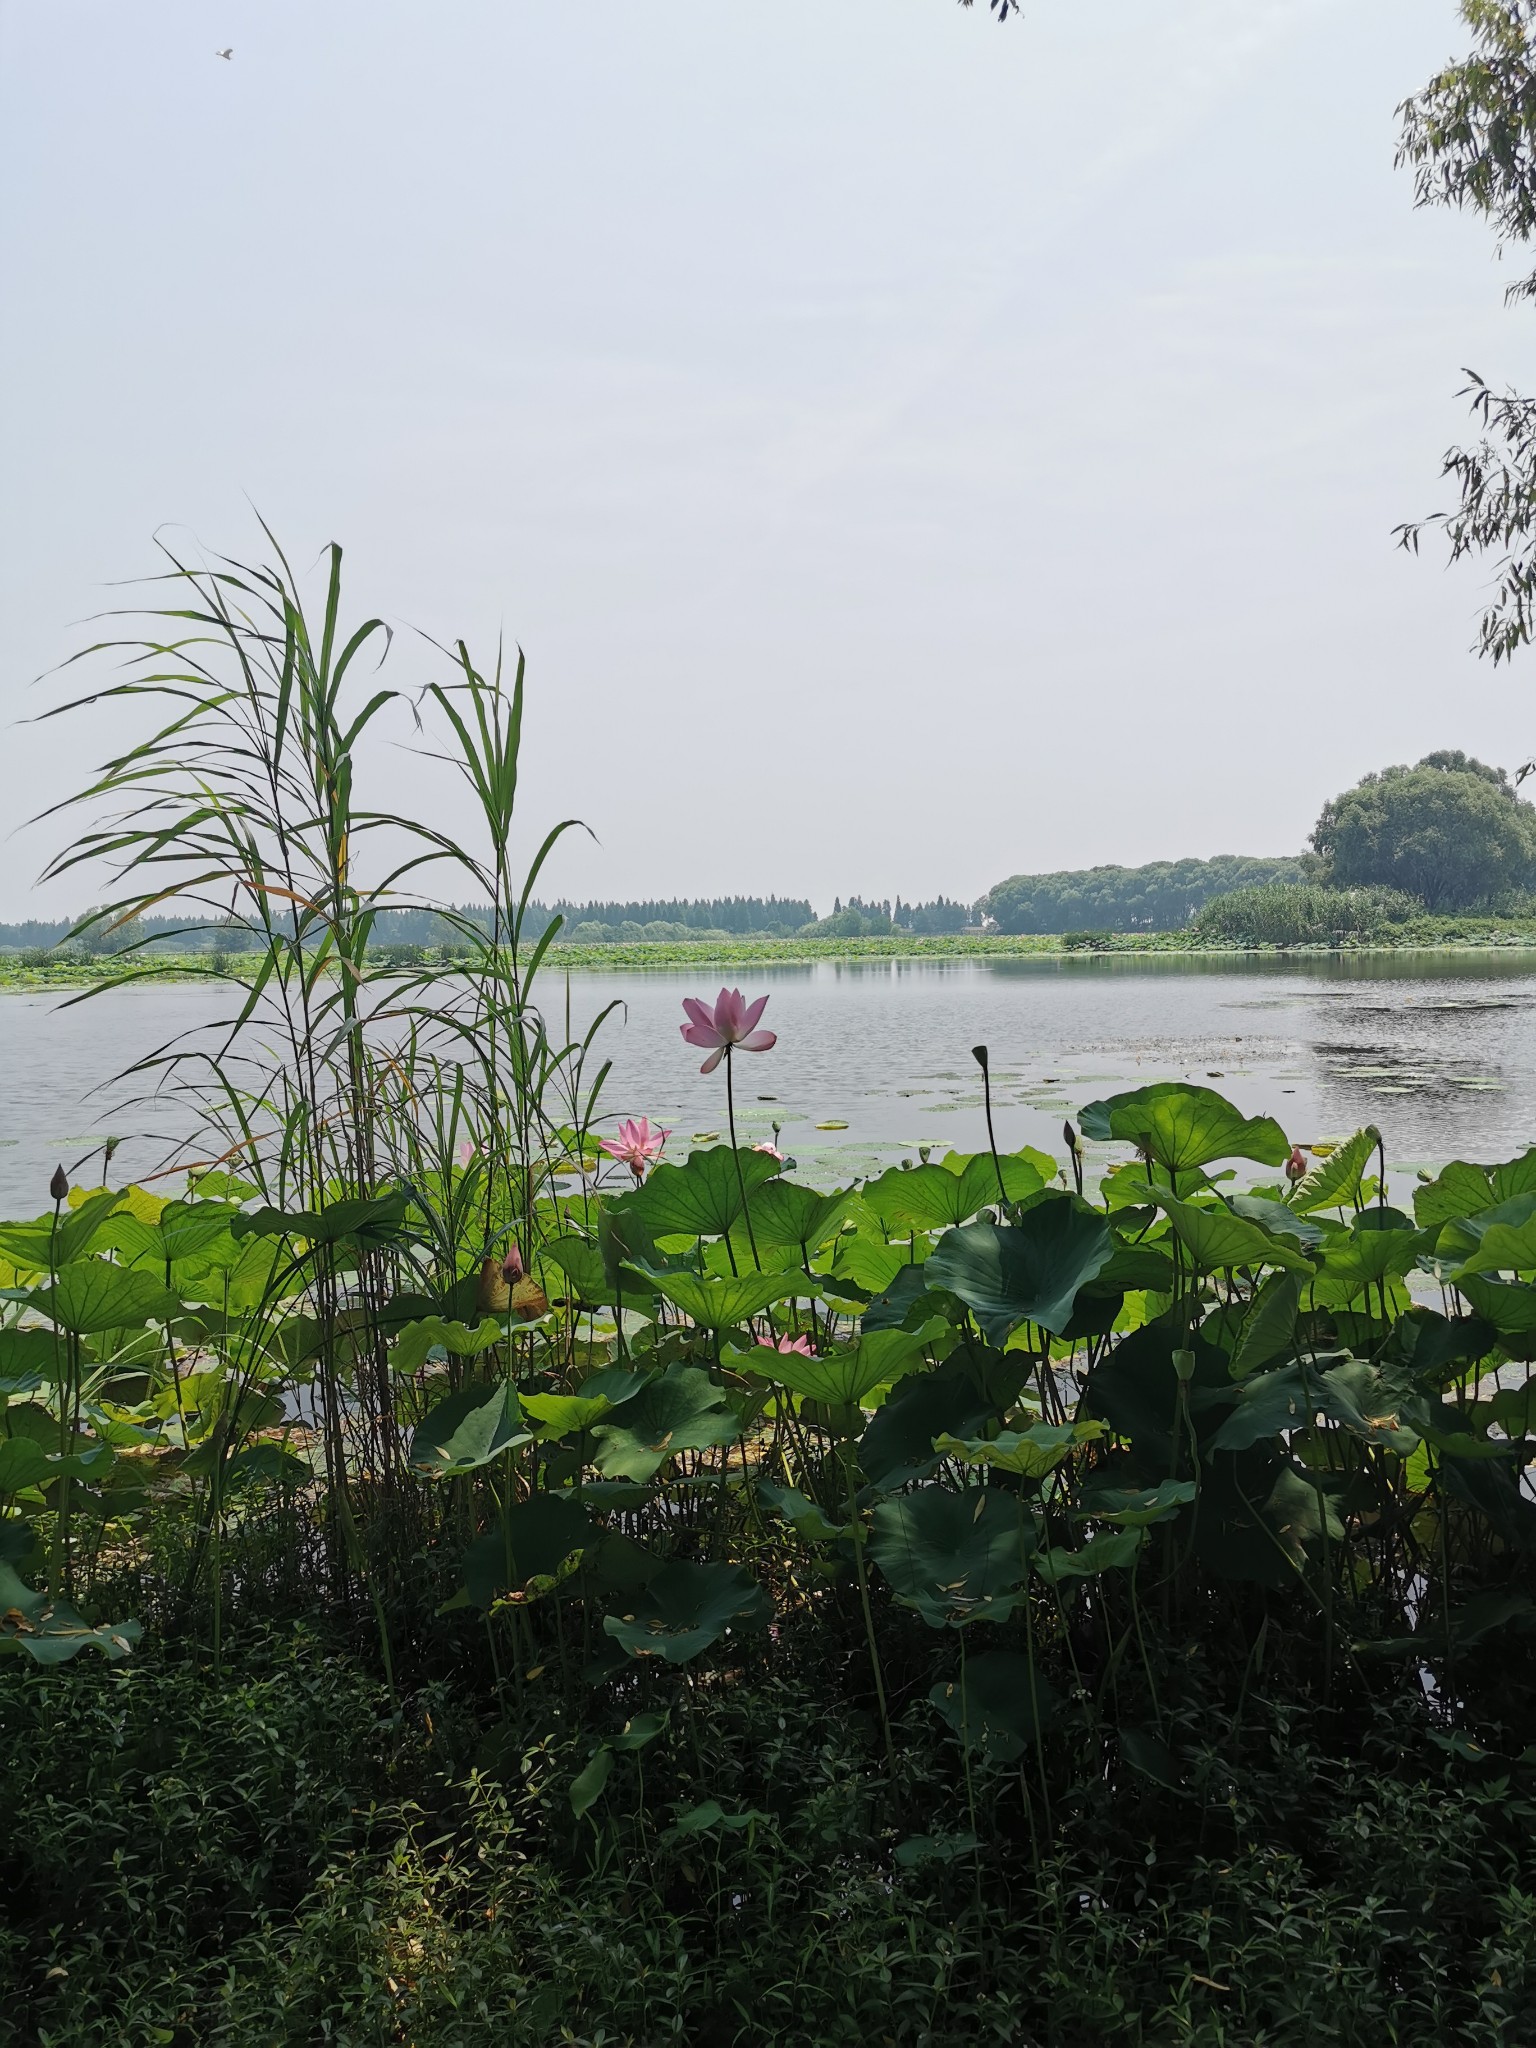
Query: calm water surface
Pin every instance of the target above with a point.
(1439, 1050)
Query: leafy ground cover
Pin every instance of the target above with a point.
(466, 1575)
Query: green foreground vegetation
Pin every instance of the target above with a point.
(467, 1578)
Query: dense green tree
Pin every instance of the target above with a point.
(1470, 136)
(1162, 896)
(1450, 831)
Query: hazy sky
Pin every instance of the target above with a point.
(909, 450)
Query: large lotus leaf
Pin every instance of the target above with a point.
(910, 1300)
(23, 1463)
(1335, 1180)
(182, 1233)
(1135, 1387)
(28, 1460)
(1462, 1190)
(785, 1213)
(1109, 1550)
(803, 1515)
(1351, 1394)
(1279, 1219)
(1300, 1512)
(417, 1341)
(581, 1262)
(686, 1608)
(843, 1376)
(1183, 1126)
(868, 1262)
(898, 1446)
(1509, 1305)
(50, 1241)
(1503, 1238)
(560, 1415)
(703, 1198)
(932, 1197)
(683, 1410)
(1137, 1507)
(533, 1541)
(1029, 1271)
(91, 1295)
(1029, 1453)
(1363, 1259)
(1145, 1268)
(467, 1430)
(724, 1303)
(1269, 1327)
(374, 1223)
(26, 1357)
(51, 1632)
(955, 1557)
(1216, 1239)
(998, 1705)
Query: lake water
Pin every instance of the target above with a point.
(1439, 1050)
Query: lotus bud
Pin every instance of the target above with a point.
(1070, 1135)
(512, 1266)
(925, 1153)
(1296, 1165)
(58, 1187)
(1184, 1366)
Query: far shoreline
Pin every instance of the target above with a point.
(1446, 937)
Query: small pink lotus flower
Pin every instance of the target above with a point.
(800, 1344)
(731, 1024)
(512, 1267)
(1296, 1165)
(467, 1151)
(772, 1151)
(636, 1142)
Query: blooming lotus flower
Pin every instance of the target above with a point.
(636, 1142)
(731, 1024)
(772, 1151)
(800, 1344)
(1296, 1165)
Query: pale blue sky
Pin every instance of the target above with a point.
(909, 450)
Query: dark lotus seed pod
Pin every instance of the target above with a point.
(979, 1055)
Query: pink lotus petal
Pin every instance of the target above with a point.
(713, 1061)
(754, 1011)
(759, 1041)
(699, 1012)
(729, 1011)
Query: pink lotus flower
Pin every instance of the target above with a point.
(1296, 1165)
(800, 1344)
(636, 1142)
(732, 1023)
(772, 1151)
(467, 1150)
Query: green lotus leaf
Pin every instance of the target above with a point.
(1334, 1182)
(686, 1608)
(587, 1785)
(372, 1224)
(1269, 1327)
(1351, 1394)
(1503, 1238)
(803, 1516)
(417, 1341)
(1364, 1258)
(1030, 1453)
(999, 1705)
(703, 1198)
(844, 1376)
(184, 1233)
(1279, 1219)
(467, 1430)
(1026, 1272)
(785, 1213)
(724, 1303)
(683, 1410)
(532, 1541)
(1461, 1190)
(957, 1557)
(1109, 1550)
(1217, 1240)
(1510, 1305)
(48, 1242)
(934, 1197)
(91, 1295)
(897, 1448)
(1184, 1126)
(560, 1415)
(1138, 1507)
(49, 1631)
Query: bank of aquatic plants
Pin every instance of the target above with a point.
(467, 1571)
